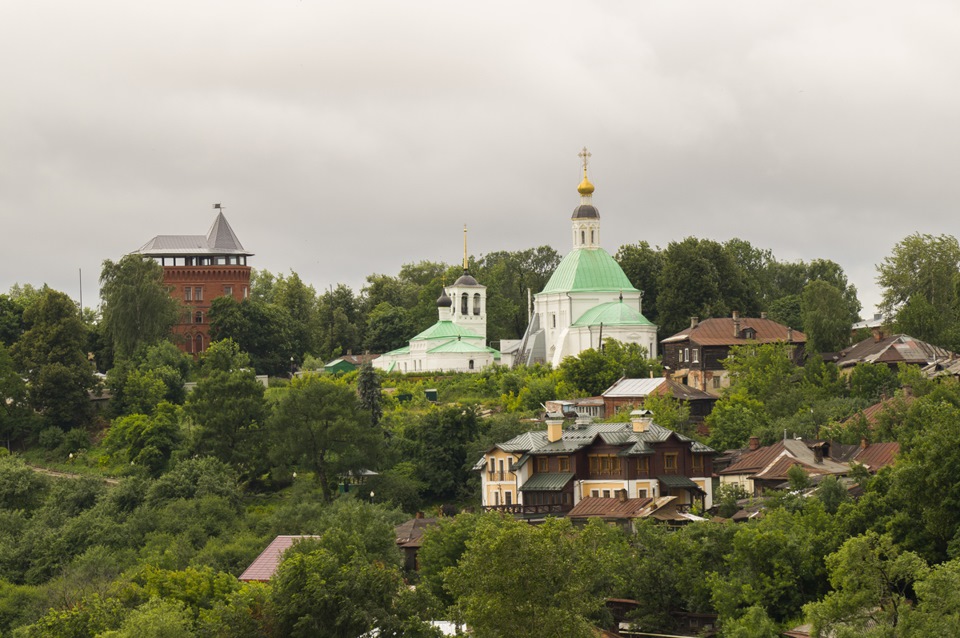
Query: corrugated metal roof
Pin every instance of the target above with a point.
(641, 388)
(615, 508)
(719, 331)
(588, 270)
(877, 455)
(679, 481)
(633, 387)
(219, 240)
(893, 349)
(575, 438)
(459, 346)
(410, 533)
(265, 565)
(547, 482)
(446, 329)
(758, 461)
(614, 313)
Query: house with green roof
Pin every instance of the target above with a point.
(587, 300)
(542, 473)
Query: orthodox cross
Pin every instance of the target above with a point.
(585, 156)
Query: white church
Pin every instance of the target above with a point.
(587, 300)
(458, 341)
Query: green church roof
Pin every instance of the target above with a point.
(462, 347)
(446, 330)
(615, 313)
(588, 270)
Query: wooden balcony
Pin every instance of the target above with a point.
(524, 510)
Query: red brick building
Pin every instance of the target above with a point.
(198, 269)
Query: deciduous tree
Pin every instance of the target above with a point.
(319, 425)
(137, 307)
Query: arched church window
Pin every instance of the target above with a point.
(199, 341)
(592, 240)
(476, 303)
(189, 344)
(470, 364)
(464, 304)
(583, 237)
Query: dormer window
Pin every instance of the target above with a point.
(749, 333)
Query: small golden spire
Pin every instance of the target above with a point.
(585, 187)
(464, 248)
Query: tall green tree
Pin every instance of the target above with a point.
(508, 275)
(11, 320)
(368, 389)
(517, 579)
(228, 411)
(594, 371)
(262, 330)
(642, 265)
(388, 328)
(826, 317)
(15, 415)
(137, 307)
(701, 278)
(919, 281)
(437, 444)
(319, 425)
(872, 582)
(51, 354)
(300, 303)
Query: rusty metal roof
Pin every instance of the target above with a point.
(899, 348)
(264, 566)
(773, 461)
(410, 533)
(615, 508)
(719, 331)
(877, 455)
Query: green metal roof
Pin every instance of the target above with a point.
(403, 350)
(547, 482)
(615, 313)
(680, 482)
(588, 270)
(457, 345)
(446, 330)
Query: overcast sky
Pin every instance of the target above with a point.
(346, 138)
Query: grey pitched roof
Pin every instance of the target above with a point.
(893, 350)
(220, 240)
(575, 438)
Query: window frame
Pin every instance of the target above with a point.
(671, 462)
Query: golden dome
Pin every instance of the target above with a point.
(585, 187)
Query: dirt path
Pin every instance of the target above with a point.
(68, 475)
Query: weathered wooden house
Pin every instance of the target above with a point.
(539, 473)
(693, 356)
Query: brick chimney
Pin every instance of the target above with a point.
(754, 443)
(789, 334)
(736, 324)
(554, 426)
(877, 334)
(864, 443)
(641, 420)
(763, 315)
(622, 495)
(694, 321)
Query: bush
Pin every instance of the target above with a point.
(51, 438)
